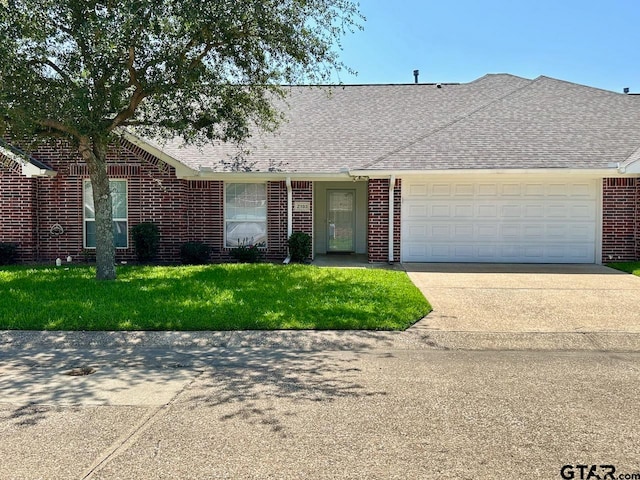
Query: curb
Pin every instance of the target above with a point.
(311, 340)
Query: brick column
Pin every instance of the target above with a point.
(620, 222)
(378, 220)
(302, 191)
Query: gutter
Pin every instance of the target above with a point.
(596, 172)
(289, 217)
(392, 187)
(30, 167)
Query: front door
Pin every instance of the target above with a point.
(341, 220)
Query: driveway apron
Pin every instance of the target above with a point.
(528, 298)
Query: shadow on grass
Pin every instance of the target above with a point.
(220, 297)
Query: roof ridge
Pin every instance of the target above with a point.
(582, 85)
(487, 75)
(448, 124)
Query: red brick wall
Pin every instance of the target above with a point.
(205, 215)
(620, 219)
(184, 210)
(302, 191)
(154, 195)
(17, 209)
(378, 220)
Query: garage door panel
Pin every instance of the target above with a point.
(511, 189)
(534, 189)
(501, 221)
(440, 190)
(486, 231)
(487, 189)
(440, 211)
(486, 211)
(463, 211)
(417, 210)
(533, 211)
(582, 190)
(464, 190)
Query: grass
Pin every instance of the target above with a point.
(212, 297)
(629, 267)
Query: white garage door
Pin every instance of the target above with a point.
(499, 220)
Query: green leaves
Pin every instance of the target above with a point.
(164, 66)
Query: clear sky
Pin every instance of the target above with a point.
(591, 42)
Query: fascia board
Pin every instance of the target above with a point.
(602, 172)
(269, 176)
(28, 169)
(182, 171)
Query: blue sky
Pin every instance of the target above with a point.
(594, 43)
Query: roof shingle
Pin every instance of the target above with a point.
(497, 121)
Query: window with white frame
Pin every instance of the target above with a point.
(245, 214)
(118, 209)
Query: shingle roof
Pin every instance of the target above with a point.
(548, 124)
(496, 121)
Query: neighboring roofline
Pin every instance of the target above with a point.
(621, 94)
(594, 172)
(182, 170)
(31, 167)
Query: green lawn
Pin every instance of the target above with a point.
(212, 297)
(629, 267)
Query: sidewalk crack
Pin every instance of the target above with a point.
(124, 442)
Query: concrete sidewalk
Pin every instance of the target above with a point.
(256, 413)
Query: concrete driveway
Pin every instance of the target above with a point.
(528, 298)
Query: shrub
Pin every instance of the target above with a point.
(8, 253)
(146, 239)
(247, 253)
(299, 246)
(194, 253)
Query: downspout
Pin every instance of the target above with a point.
(392, 186)
(289, 217)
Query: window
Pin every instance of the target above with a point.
(245, 214)
(118, 209)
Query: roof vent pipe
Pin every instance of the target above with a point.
(415, 76)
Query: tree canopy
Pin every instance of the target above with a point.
(204, 70)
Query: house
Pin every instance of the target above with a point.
(501, 169)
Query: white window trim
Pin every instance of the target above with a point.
(114, 219)
(224, 212)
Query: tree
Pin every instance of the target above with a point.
(205, 70)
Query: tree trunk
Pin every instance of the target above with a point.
(94, 153)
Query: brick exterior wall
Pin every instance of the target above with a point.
(185, 210)
(302, 191)
(620, 219)
(18, 215)
(378, 220)
(188, 210)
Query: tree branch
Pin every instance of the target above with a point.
(136, 98)
(51, 64)
(133, 74)
(59, 126)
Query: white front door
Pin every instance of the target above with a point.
(341, 218)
